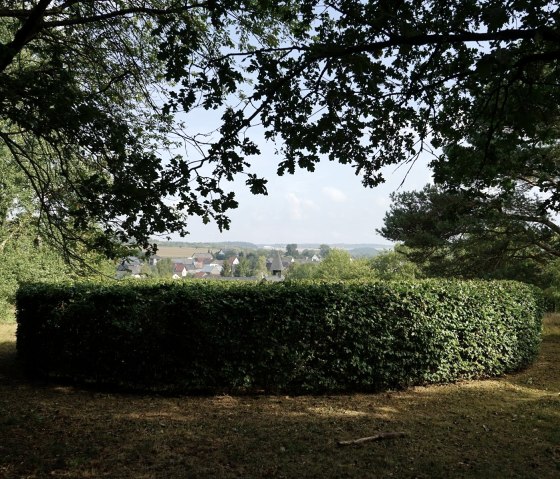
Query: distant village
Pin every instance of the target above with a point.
(221, 265)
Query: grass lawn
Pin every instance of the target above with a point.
(504, 428)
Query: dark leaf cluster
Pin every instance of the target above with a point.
(469, 233)
(93, 98)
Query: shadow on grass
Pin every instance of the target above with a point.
(9, 366)
(478, 429)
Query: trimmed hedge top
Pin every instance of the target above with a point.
(291, 336)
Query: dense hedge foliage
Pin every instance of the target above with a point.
(298, 337)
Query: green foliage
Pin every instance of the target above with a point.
(552, 286)
(259, 266)
(510, 154)
(25, 263)
(243, 269)
(91, 93)
(337, 265)
(291, 250)
(80, 119)
(300, 271)
(24, 260)
(324, 250)
(230, 253)
(164, 268)
(226, 269)
(26, 255)
(291, 336)
(394, 265)
(308, 253)
(474, 235)
(252, 264)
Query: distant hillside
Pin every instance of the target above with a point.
(366, 251)
(181, 249)
(376, 246)
(208, 245)
(346, 246)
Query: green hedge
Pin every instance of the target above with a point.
(297, 337)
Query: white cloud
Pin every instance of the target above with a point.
(334, 194)
(299, 206)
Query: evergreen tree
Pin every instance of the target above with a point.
(226, 269)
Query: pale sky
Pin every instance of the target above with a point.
(328, 206)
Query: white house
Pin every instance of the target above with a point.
(179, 270)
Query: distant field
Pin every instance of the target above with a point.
(179, 251)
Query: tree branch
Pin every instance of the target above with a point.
(545, 34)
(324, 51)
(554, 252)
(154, 12)
(376, 437)
(538, 219)
(24, 35)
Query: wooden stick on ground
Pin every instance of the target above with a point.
(377, 437)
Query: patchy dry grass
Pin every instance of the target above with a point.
(503, 428)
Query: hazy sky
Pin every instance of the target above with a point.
(327, 206)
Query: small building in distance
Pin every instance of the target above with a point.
(277, 267)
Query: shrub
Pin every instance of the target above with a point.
(291, 336)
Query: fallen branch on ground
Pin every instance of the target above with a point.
(377, 437)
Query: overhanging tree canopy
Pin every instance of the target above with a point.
(91, 96)
(475, 234)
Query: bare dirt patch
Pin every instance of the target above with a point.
(504, 428)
